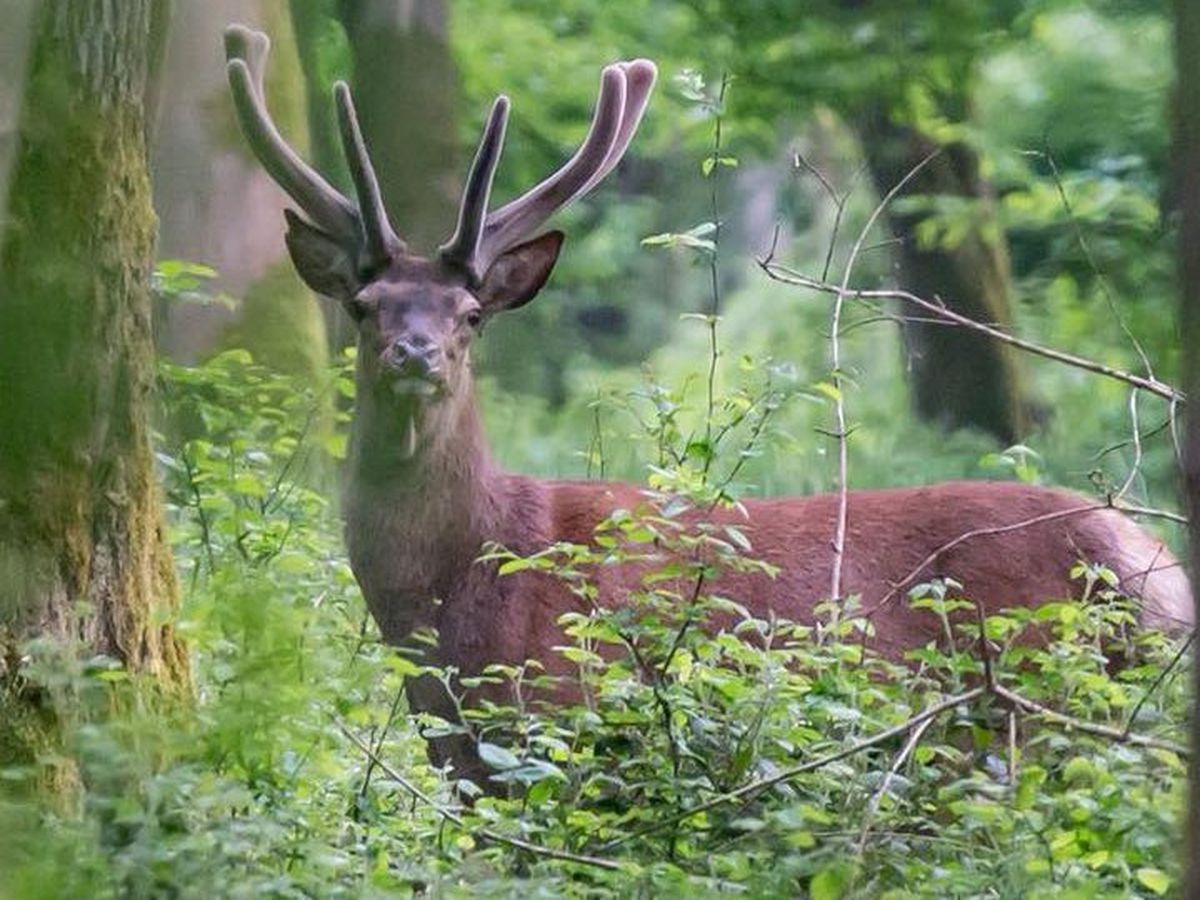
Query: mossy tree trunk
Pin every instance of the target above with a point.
(1187, 177)
(83, 556)
(959, 378)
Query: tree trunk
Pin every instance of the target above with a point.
(83, 555)
(1187, 175)
(14, 45)
(218, 206)
(310, 22)
(405, 87)
(959, 378)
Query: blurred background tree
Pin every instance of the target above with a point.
(205, 180)
(1187, 182)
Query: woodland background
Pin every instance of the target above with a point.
(192, 702)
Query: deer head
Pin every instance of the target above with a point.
(416, 316)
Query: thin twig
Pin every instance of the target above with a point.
(1152, 513)
(1012, 746)
(714, 270)
(876, 798)
(760, 784)
(1101, 278)
(1135, 469)
(1121, 445)
(971, 535)
(1162, 676)
(1119, 735)
(383, 733)
(483, 834)
(835, 358)
(783, 274)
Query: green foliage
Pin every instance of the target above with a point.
(691, 760)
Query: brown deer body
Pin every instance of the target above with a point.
(424, 496)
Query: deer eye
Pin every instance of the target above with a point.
(474, 317)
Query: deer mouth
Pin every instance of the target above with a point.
(420, 386)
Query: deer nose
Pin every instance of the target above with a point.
(414, 354)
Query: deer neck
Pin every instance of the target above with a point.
(423, 497)
(405, 443)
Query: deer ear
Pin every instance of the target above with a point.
(518, 274)
(321, 261)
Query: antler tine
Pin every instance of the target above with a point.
(246, 52)
(640, 75)
(516, 219)
(463, 245)
(381, 242)
(251, 46)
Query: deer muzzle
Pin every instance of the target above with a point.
(416, 364)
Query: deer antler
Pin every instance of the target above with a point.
(363, 229)
(481, 236)
(382, 242)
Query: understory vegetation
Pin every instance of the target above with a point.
(762, 758)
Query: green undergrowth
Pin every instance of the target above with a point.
(708, 752)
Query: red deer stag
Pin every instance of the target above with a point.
(424, 495)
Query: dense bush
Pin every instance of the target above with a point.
(743, 758)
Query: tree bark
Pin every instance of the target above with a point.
(310, 22)
(83, 556)
(14, 46)
(219, 207)
(1187, 162)
(405, 88)
(959, 378)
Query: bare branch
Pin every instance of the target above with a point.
(785, 275)
(1119, 735)
(839, 409)
(876, 798)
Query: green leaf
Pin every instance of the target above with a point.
(831, 882)
(675, 240)
(735, 534)
(497, 757)
(516, 565)
(711, 162)
(1155, 879)
(249, 486)
(828, 390)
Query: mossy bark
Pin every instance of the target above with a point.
(959, 378)
(83, 555)
(1187, 177)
